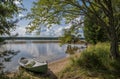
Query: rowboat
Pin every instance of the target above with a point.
(33, 65)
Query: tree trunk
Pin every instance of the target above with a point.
(114, 47)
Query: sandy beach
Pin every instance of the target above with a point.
(58, 65)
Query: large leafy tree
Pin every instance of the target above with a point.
(8, 10)
(53, 11)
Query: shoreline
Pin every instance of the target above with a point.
(39, 41)
(55, 66)
(58, 65)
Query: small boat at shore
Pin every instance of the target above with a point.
(33, 65)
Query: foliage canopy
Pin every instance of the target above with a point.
(8, 10)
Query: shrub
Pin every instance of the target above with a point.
(96, 59)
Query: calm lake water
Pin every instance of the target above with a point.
(10, 53)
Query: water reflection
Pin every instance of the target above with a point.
(5, 57)
(38, 51)
(72, 49)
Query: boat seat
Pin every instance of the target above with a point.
(24, 61)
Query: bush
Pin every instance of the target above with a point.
(96, 59)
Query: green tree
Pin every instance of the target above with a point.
(53, 11)
(94, 33)
(70, 35)
(8, 10)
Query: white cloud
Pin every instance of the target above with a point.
(68, 26)
(59, 31)
(17, 2)
(20, 30)
(21, 15)
(54, 31)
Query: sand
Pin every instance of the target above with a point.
(58, 65)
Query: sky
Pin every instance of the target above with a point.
(54, 31)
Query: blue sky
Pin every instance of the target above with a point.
(55, 30)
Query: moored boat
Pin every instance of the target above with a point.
(33, 65)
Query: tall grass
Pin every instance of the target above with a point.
(24, 74)
(96, 61)
(16, 76)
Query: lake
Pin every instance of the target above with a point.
(11, 52)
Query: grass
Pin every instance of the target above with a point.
(93, 63)
(24, 74)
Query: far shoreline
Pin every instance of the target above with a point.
(39, 41)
